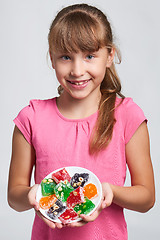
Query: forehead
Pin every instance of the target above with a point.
(77, 32)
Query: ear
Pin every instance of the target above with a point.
(51, 57)
(110, 58)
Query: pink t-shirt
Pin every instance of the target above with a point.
(61, 142)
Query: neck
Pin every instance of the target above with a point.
(77, 108)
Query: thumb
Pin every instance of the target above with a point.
(104, 204)
(32, 197)
(108, 195)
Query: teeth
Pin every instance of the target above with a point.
(79, 83)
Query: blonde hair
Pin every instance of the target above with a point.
(86, 28)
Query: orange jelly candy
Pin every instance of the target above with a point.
(90, 191)
(47, 202)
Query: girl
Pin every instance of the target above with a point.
(91, 125)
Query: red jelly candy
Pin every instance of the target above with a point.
(47, 202)
(75, 197)
(90, 191)
(68, 216)
(61, 175)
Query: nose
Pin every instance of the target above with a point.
(77, 68)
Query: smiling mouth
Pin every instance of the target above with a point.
(78, 82)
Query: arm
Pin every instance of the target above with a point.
(141, 195)
(21, 196)
(22, 161)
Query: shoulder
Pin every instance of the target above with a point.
(130, 115)
(36, 106)
(34, 109)
(40, 104)
(127, 101)
(127, 107)
(32, 115)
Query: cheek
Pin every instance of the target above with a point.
(61, 71)
(99, 72)
(103, 69)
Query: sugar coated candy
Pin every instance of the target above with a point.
(47, 186)
(75, 197)
(63, 189)
(84, 208)
(79, 179)
(56, 210)
(47, 202)
(90, 191)
(61, 175)
(68, 216)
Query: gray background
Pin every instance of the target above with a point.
(26, 74)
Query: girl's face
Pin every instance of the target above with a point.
(81, 74)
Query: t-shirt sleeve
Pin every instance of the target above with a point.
(134, 116)
(25, 120)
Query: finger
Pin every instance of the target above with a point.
(90, 218)
(107, 201)
(59, 225)
(51, 224)
(104, 204)
(77, 224)
(108, 195)
(86, 219)
(47, 221)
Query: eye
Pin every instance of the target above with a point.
(65, 57)
(90, 56)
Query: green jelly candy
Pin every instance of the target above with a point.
(84, 208)
(62, 190)
(47, 186)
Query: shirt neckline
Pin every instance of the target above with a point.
(74, 120)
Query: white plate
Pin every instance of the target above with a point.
(72, 170)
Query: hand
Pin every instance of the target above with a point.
(106, 201)
(35, 205)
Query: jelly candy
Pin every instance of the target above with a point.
(61, 175)
(56, 210)
(90, 191)
(75, 197)
(65, 198)
(79, 179)
(47, 186)
(84, 208)
(68, 216)
(62, 190)
(47, 202)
